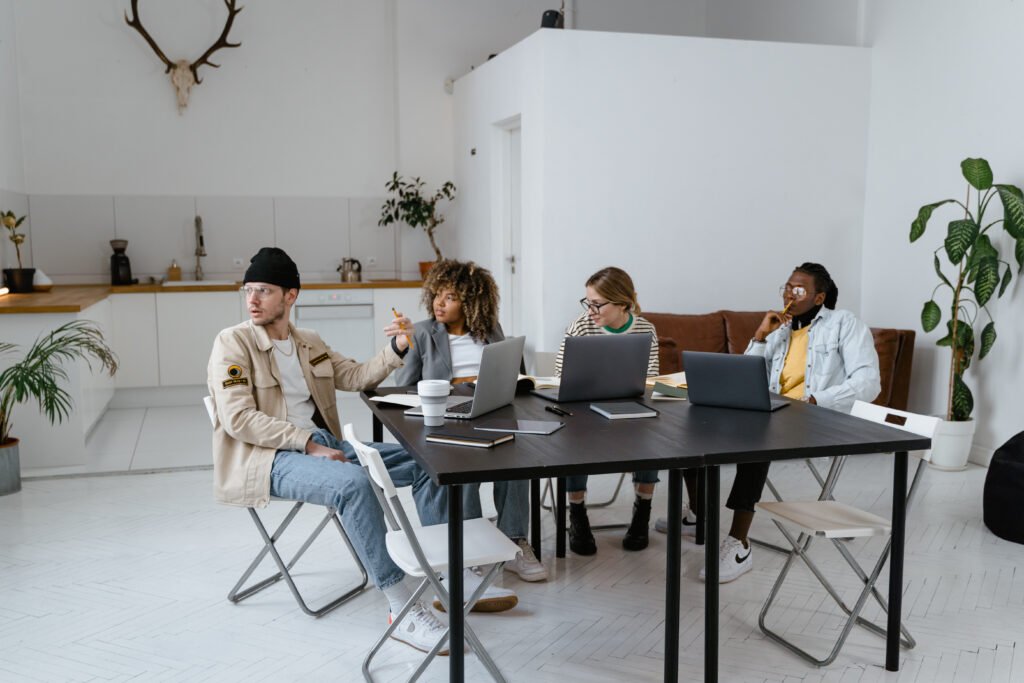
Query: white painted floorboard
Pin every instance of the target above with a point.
(124, 578)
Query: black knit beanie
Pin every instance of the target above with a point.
(273, 266)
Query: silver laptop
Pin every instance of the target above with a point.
(728, 380)
(602, 367)
(495, 385)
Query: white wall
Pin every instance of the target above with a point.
(939, 94)
(705, 168)
(836, 22)
(12, 180)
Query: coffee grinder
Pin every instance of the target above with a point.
(120, 266)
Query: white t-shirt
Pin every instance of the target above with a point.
(466, 353)
(296, 394)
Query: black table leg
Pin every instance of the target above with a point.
(699, 509)
(378, 430)
(456, 616)
(672, 574)
(711, 495)
(535, 516)
(899, 524)
(560, 518)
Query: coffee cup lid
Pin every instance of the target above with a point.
(433, 387)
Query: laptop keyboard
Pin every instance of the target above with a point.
(463, 407)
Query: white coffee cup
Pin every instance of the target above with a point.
(433, 395)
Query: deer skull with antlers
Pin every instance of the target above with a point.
(185, 74)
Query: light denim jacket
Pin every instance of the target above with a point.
(842, 364)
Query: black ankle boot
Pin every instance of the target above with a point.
(581, 539)
(636, 535)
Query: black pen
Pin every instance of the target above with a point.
(558, 410)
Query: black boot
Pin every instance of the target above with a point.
(581, 539)
(636, 535)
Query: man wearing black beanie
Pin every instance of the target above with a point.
(277, 428)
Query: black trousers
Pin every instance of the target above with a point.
(746, 488)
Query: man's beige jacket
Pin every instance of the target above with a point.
(252, 424)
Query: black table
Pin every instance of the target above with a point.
(682, 436)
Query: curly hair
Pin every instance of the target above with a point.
(475, 288)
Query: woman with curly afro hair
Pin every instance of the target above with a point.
(462, 299)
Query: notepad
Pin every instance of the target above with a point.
(623, 410)
(542, 427)
(468, 439)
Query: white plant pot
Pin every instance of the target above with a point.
(951, 445)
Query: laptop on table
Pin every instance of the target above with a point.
(728, 380)
(602, 367)
(495, 384)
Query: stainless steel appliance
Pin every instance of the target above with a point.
(351, 270)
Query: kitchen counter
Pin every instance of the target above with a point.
(76, 298)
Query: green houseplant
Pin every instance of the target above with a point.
(409, 204)
(19, 279)
(39, 375)
(978, 274)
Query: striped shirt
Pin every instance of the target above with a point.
(583, 326)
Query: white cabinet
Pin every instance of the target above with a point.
(97, 386)
(187, 323)
(133, 338)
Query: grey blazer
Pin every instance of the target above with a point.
(431, 357)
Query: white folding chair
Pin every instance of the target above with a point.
(834, 520)
(423, 552)
(240, 592)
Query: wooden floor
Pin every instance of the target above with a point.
(118, 578)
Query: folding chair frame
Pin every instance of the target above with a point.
(238, 593)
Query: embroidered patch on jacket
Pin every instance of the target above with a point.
(319, 359)
(237, 380)
(235, 371)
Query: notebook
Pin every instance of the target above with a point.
(482, 441)
(728, 380)
(623, 410)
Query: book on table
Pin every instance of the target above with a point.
(531, 382)
(623, 410)
(668, 392)
(463, 439)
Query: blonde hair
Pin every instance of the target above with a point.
(475, 289)
(615, 285)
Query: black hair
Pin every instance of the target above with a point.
(822, 282)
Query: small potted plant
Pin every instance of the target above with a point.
(38, 375)
(971, 247)
(19, 280)
(410, 205)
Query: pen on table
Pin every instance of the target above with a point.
(402, 327)
(557, 410)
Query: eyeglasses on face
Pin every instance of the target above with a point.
(797, 292)
(594, 306)
(249, 291)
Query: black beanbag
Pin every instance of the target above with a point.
(1004, 491)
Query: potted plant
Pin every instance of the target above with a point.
(410, 205)
(19, 280)
(978, 273)
(38, 375)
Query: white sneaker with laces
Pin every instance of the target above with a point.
(689, 529)
(526, 565)
(734, 560)
(494, 599)
(420, 629)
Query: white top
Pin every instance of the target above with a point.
(466, 353)
(296, 394)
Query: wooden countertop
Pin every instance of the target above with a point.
(76, 298)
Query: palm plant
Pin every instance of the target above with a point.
(410, 205)
(975, 259)
(41, 372)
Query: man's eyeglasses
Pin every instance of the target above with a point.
(589, 305)
(258, 292)
(797, 292)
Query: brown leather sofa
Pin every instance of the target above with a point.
(731, 331)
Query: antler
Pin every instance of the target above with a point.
(136, 24)
(221, 42)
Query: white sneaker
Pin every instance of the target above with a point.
(733, 561)
(420, 629)
(494, 599)
(526, 565)
(689, 523)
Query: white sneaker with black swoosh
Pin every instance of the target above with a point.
(688, 528)
(734, 560)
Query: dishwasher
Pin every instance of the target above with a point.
(342, 317)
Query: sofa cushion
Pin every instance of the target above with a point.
(740, 327)
(678, 333)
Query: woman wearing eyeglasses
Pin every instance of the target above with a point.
(610, 307)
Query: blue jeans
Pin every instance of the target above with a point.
(511, 500)
(578, 482)
(345, 486)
